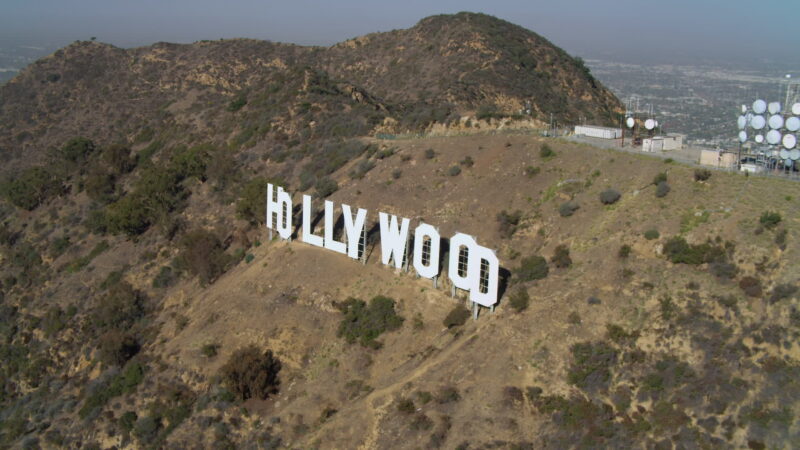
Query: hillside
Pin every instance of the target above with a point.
(644, 303)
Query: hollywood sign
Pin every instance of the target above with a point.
(471, 267)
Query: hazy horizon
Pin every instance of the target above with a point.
(623, 30)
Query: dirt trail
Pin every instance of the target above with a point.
(379, 400)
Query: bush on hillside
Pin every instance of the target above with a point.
(454, 171)
(249, 373)
(77, 150)
(203, 255)
(661, 177)
(702, 174)
(100, 185)
(325, 187)
(609, 196)
(117, 158)
(567, 209)
(561, 257)
(770, 219)
(507, 223)
(364, 322)
(651, 234)
(251, 205)
(119, 309)
(662, 189)
(678, 251)
(456, 317)
(32, 187)
(532, 268)
(519, 300)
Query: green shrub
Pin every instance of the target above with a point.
(609, 197)
(447, 394)
(751, 286)
(702, 174)
(624, 251)
(119, 309)
(591, 366)
(361, 169)
(100, 186)
(770, 219)
(203, 255)
(519, 300)
(249, 373)
(651, 234)
(251, 205)
(406, 406)
(561, 257)
(532, 268)
(60, 245)
(77, 150)
(365, 323)
(454, 171)
(325, 187)
(118, 159)
(237, 103)
(456, 317)
(430, 154)
(124, 382)
(546, 151)
(117, 347)
(567, 209)
(662, 189)
(508, 222)
(782, 292)
(32, 187)
(661, 177)
(678, 251)
(210, 350)
(467, 162)
(191, 162)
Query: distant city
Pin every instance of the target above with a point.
(700, 101)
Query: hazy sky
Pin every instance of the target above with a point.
(612, 29)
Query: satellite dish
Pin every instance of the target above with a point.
(776, 121)
(773, 137)
(774, 107)
(744, 109)
(649, 124)
(630, 122)
(742, 136)
(784, 154)
(787, 163)
(793, 123)
(796, 109)
(794, 155)
(759, 106)
(741, 122)
(758, 122)
(789, 141)
(759, 138)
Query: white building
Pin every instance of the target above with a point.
(662, 143)
(598, 132)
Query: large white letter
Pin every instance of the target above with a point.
(458, 241)
(477, 255)
(426, 231)
(308, 236)
(393, 241)
(281, 209)
(330, 242)
(353, 230)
